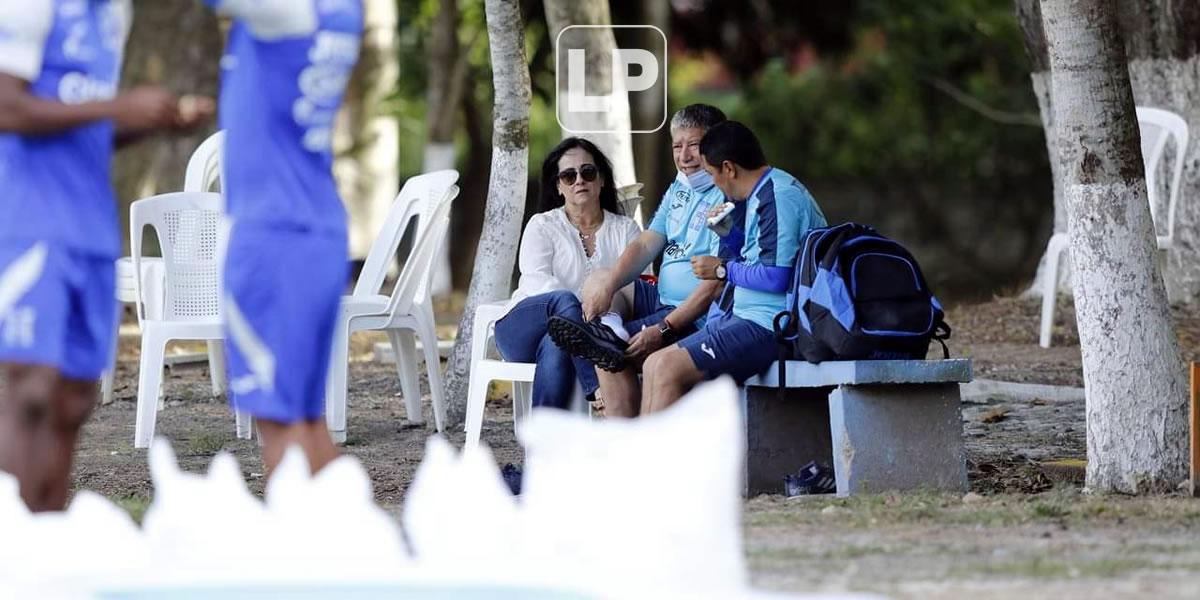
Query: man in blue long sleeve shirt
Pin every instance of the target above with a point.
(757, 257)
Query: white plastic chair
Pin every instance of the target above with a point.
(191, 232)
(1157, 128)
(203, 172)
(485, 370)
(408, 310)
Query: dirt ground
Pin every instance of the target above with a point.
(1018, 533)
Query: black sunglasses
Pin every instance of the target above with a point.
(588, 172)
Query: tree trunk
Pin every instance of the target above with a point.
(466, 220)
(497, 251)
(1136, 397)
(599, 45)
(175, 43)
(1162, 38)
(1029, 15)
(367, 141)
(652, 148)
(447, 74)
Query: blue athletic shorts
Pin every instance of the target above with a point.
(649, 311)
(57, 308)
(731, 345)
(282, 292)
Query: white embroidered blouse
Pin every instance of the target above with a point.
(552, 255)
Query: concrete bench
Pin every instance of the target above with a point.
(882, 424)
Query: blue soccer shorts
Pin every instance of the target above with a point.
(731, 345)
(57, 308)
(282, 293)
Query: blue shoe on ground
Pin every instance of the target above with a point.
(512, 478)
(813, 478)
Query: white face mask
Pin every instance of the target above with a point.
(700, 181)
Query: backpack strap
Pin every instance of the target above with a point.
(785, 328)
(941, 333)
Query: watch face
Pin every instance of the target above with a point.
(720, 271)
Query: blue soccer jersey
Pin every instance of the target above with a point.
(56, 186)
(778, 213)
(682, 219)
(286, 68)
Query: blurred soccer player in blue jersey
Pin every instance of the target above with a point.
(60, 114)
(286, 68)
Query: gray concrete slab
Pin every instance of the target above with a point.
(897, 437)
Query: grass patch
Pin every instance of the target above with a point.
(793, 554)
(1050, 510)
(206, 444)
(134, 505)
(1042, 567)
(1001, 510)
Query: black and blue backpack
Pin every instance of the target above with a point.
(857, 295)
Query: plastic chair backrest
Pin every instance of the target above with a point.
(417, 276)
(191, 232)
(1157, 127)
(204, 168)
(416, 198)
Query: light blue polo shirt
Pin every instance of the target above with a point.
(681, 218)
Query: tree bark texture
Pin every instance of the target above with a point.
(1161, 39)
(177, 44)
(1161, 42)
(497, 251)
(447, 78)
(1136, 395)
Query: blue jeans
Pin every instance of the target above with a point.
(521, 336)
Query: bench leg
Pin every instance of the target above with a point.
(897, 437)
(781, 437)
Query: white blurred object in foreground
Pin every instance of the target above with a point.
(644, 508)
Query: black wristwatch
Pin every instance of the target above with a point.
(721, 271)
(664, 329)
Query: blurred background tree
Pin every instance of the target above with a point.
(916, 116)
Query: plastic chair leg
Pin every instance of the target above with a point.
(242, 422)
(106, 385)
(335, 384)
(433, 369)
(216, 366)
(1050, 292)
(406, 365)
(476, 399)
(522, 394)
(154, 346)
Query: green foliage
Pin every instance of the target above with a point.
(881, 111)
(927, 123)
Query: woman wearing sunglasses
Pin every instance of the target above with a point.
(578, 230)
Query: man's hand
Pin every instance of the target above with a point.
(705, 267)
(644, 343)
(597, 299)
(194, 111)
(146, 108)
